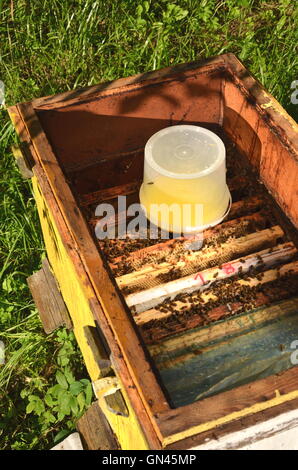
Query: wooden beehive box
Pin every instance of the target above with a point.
(171, 362)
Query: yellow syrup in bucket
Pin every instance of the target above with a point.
(185, 169)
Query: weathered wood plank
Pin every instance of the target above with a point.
(236, 426)
(237, 403)
(130, 83)
(95, 430)
(48, 299)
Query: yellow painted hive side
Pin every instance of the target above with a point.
(126, 428)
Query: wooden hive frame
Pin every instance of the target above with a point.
(233, 99)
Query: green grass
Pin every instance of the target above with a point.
(49, 47)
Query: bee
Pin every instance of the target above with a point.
(259, 276)
(163, 310)
(197, 352)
